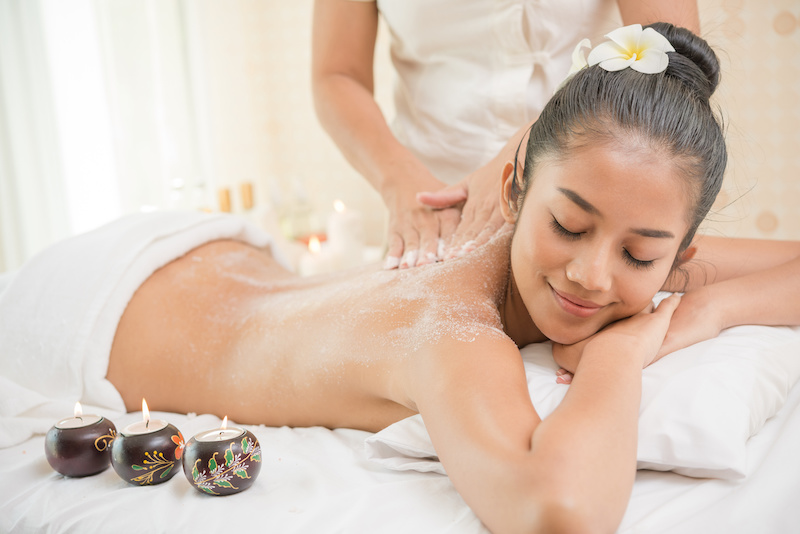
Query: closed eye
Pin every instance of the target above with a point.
(563, 232)
(574, 236)
(639, 264)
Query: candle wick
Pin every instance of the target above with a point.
(147, 424)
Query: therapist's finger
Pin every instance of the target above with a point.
(489, 229)
(395, 251)
(448, 223)
(444, 198)
(428, 244)
(480, 221)
(410, 247)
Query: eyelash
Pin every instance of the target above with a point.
(573, 236)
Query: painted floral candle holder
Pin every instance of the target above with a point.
(79, 446)
(147, 452)
(222, 461)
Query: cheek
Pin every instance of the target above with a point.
(536, 250)
(638, 290)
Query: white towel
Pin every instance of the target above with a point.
(59, 313)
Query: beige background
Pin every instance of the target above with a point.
(255, 61)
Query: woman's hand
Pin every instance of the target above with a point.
(695, 320)
(642, 334)
(477, 196)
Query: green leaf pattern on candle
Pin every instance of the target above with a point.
(167, 471)
(154, 462)
(220, 475)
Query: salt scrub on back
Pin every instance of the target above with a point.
(457, 299)
(305, 332)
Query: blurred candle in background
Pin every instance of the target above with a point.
(315, 260)
(345, 236)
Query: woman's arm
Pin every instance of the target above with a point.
(732, 282)
(572, 472)
(343, 46)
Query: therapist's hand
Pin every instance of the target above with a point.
(481, 217)
(415, 230)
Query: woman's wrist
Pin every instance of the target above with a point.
(402, 176)
(718, 307)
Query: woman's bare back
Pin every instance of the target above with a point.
(226, 330)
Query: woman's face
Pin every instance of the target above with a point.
(596, 238)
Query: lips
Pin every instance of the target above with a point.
(575, 305)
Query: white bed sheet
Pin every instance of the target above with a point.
(317, 480)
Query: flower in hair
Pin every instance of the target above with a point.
(643, 50)
(578, 61)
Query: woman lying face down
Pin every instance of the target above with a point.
(620, 169)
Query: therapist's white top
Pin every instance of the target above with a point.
(470, 73)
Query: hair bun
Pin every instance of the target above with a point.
(694, 62)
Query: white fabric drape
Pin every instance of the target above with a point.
(32, 212)
(96, 118)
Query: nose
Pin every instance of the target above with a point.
(592, 267)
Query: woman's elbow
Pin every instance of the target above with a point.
(553, 515)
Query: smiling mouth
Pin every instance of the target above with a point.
(574, 305)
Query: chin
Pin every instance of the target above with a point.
(565, 334)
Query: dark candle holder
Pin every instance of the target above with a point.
(147, 453)
(79, 446)
(223, 461)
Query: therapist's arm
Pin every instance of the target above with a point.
(682, 13)
(343, 46)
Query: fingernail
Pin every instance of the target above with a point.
(431, 257)
(409, 258)
(391, 262)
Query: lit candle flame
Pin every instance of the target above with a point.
(339, 206)
(224, 423)
(145, 414)
(78, 410)
(313, 245)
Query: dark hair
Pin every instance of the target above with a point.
(670, 112)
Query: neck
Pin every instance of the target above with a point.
(517, 322)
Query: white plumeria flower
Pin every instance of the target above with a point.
(579, 58)
(578, 61)
(643, 50)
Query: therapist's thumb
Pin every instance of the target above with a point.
(443, 198)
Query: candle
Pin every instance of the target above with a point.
(316, 260)
(346, 236)
(222, 461)
(146, 452)
(79, 446)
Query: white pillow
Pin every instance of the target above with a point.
(699, 407)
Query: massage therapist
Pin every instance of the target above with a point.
(469, 74)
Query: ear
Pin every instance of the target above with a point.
(687, 255)
(508, 199)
